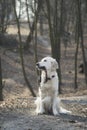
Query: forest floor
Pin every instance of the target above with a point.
(17, 111)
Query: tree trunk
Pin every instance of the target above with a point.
(55, 28)
(58, 32)
(32, 28)
(30, 36)
(81, 38)
(35, 40)
(41, 24)
(1, 85)
(76, 53)
(21, 53)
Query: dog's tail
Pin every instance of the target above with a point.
(64, 111)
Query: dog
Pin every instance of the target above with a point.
(48, 100)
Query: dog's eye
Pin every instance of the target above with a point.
(45, 60)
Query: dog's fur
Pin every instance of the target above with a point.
(48, 100)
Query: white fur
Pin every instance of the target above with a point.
(48, 92)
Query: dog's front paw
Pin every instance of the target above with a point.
(40, 112)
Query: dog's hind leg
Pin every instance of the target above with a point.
(55, 107)
(64, 111)
(61, 109)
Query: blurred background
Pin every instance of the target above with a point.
(32, 29)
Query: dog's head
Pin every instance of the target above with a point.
(47, 63)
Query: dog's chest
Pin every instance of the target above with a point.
(47, 89)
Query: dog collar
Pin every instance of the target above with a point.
(48, 78)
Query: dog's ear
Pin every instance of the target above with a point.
(54, 64)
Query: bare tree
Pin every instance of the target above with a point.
(55, 28)
(32, 26)
(3, 15)
(1, 85)
(21, 51)
(79, 40)
(81, 37)
(76, 53)
(35, 40)
(5, 12)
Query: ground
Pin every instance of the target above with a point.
(17, 111)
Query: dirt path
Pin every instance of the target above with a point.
(20, 115)
(43, 123)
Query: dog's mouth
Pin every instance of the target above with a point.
(40, 67)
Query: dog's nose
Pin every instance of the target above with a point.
(37, 64)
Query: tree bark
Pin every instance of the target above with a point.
(1, 85)
(76, 53)
(81, 37)
(35, 40)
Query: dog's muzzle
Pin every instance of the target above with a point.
(40, 67)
